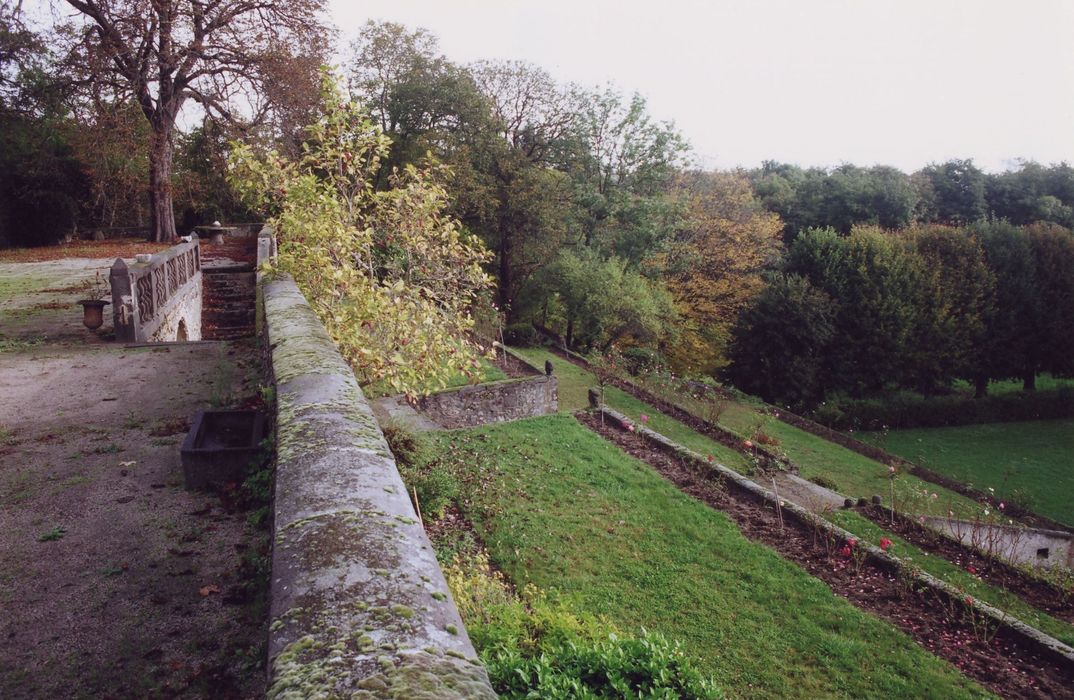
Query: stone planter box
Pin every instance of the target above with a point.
(220, 446)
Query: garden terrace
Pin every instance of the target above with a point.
(1045, 603)
(117, 582)
(561, 508)
(985, 643)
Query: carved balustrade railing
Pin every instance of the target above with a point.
(143, 292)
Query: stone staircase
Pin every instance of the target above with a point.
(229, 290)
(228, 300)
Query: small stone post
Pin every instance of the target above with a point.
(119, 279)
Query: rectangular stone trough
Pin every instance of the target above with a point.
(220, 446)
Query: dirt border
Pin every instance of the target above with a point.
(940, 618)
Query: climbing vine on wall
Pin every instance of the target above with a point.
(389, 273)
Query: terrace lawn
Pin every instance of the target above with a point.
(573, 383)
(1031, 460)
(560, 508)
(852, 474)
(955, 575)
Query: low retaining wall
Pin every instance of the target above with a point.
(159, 300)
(1015, 544)
(494, 402)
(1043, 642)
(360, 608)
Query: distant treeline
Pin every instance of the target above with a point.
(912, 309)
(955, 193)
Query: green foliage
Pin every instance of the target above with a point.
(780, 341)
(840, 198)
(535, 645)
(52, 535)
(954, 304)
(521, 335)
(643, 360)
(906, 409)
(605, 301)
(389, 274)
(952, 193)
(1033, 193)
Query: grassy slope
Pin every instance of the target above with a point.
(573, 385)
(560, 508)
(854, 474)
(1035, 457)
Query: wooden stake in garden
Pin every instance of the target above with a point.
(891, 471)
(779, 505)
(417, 507)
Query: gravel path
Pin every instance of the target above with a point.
(114, 580)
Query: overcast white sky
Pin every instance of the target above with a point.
(814, 82)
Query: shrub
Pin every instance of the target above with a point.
(42, 218)
(534, 646)
(522, 335)
(907, 410)
(824, 482)
(643, 361)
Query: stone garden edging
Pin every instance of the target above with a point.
(1036, 638)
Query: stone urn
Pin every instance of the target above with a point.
(93, 312)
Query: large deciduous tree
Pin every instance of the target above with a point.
(221, 54)
(714, 263)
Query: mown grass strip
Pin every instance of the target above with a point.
(956, 576)
(1029, 462)
(560, 508)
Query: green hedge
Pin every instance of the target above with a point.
(909, 411)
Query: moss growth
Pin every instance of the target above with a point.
(403, 611)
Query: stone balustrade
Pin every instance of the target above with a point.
(159, 300)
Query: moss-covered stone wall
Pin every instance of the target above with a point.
(360, 608)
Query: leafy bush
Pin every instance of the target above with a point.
(42, 218)
(643, 360)
(522, 335)
(825, 482)
(534, 646)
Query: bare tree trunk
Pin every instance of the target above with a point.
(506, 305)
(161, 215)
(980, 385)
(1029, 380)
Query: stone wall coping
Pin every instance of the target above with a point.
(359, 605)
(478, 388)
(1046, 643)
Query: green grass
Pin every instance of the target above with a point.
(956, 576)
(1045, 382)
(560, 508)
(573, 383)
(1030, 461)
(855, 475)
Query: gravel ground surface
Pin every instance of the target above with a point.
(114, 580)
